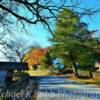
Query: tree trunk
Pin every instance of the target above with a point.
(75, 70)
(91, 75)
(74, 65)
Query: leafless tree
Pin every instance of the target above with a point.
(33, 11)
(14, 50)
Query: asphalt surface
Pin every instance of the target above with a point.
(60, 88)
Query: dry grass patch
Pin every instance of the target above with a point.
(38, 72)
(95, 80)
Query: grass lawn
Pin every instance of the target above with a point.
(38, 72)
(95, 80)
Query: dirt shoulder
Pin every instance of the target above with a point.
(95, 80)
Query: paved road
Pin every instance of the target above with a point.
(59, 88)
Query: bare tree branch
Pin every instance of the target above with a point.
(40, 10)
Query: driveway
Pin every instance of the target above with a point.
(60, 88)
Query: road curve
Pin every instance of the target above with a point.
(60, 88)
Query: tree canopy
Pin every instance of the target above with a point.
(73, 40)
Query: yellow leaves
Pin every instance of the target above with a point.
(34, 56)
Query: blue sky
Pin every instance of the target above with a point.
(94, 22)
(40, 35)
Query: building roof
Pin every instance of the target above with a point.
(13, 66)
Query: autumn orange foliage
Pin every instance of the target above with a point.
(34, 56)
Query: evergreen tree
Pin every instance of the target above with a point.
(73, 40)
(46, 61)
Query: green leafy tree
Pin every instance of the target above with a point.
(46, 61)
(73, 40)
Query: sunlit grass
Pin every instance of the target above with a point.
(38, 72)
(95, 80)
